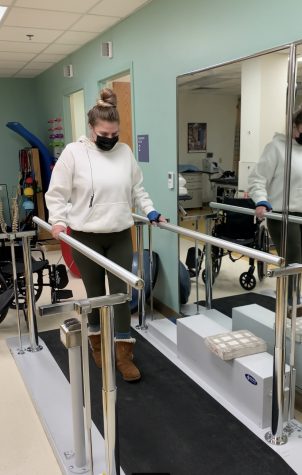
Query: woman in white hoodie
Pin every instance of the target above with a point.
(93, 188)
(266, 190)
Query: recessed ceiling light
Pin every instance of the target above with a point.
(2, 11)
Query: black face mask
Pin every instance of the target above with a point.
(299, 139)
(106, 143)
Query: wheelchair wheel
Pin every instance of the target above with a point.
(38, 287)
(263, 245)
(204, 276)
(3, 287)
(217, 260)
(247, 281)
(217, 254)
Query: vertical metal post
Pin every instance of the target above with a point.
(292, 382)
(151, 269)
(292, 68)
(30, 297)
(75, 372)
(109, 391)
(140, 273)
(209, 268)
(196, 267)
(20, 350)
(86, 382)
(277, 435)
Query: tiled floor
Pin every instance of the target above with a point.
(24, 446)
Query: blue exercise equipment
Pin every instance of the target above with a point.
(147, 287)
(184, 284)
(47, 160)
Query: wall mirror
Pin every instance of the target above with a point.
(226, 116)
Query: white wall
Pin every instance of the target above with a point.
(263, 103)
(219, 112)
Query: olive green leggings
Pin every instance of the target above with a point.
(118, 248)
(294, 245)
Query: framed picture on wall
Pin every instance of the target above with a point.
(197, 137)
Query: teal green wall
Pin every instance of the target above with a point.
(17, 104)
(159, 42)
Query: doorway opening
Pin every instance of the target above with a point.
(77, 114)
(121, 85)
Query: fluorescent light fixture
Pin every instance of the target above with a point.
(2, 11)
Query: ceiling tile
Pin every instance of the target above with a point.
(49, 58)
(11, 64)
(10, 33)
(77, 6)
(38, 65)
(31, 18)
(4, 55)
(28, 73)
(9, 73)
(76, 37)
(58, 48)
(95, 23)
(117, 7)
(6, 3)
(25, 47)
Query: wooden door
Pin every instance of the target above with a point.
(123, 93)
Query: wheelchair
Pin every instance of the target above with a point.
(57, 278)
(239, 229)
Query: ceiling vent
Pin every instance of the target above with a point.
(68, 71)
(106, 49)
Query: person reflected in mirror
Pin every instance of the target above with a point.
(94, 186)
(266, 190)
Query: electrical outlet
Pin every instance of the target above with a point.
(171, 176)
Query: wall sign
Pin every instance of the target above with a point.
(143, 148)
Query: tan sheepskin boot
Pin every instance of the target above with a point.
(95, 345)
(124, 357)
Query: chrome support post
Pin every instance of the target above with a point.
(30, 297)
(292, 70)
(196, 267)
(70, 335)
(75, 373)
(83, 310)
(109, 391)
(292, 382)
(151, 270)
(277, 436)
(20, 350)
(209, 268)
(140, 273)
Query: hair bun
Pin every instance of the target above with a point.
(107, 98)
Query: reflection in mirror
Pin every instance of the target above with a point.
(226, 116)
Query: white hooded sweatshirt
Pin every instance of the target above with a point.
(266, 180)
(112, 178)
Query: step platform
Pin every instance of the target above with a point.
(246, 382)
(261, 322)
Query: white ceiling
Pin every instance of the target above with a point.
(60, 27)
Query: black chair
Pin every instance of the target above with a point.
(57, 276)
(6, 298)
(241, 229)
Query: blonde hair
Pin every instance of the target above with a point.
(105, 108)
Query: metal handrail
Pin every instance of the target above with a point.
(250, 211)
(105, 305)
(131, 279)
(253, 253)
